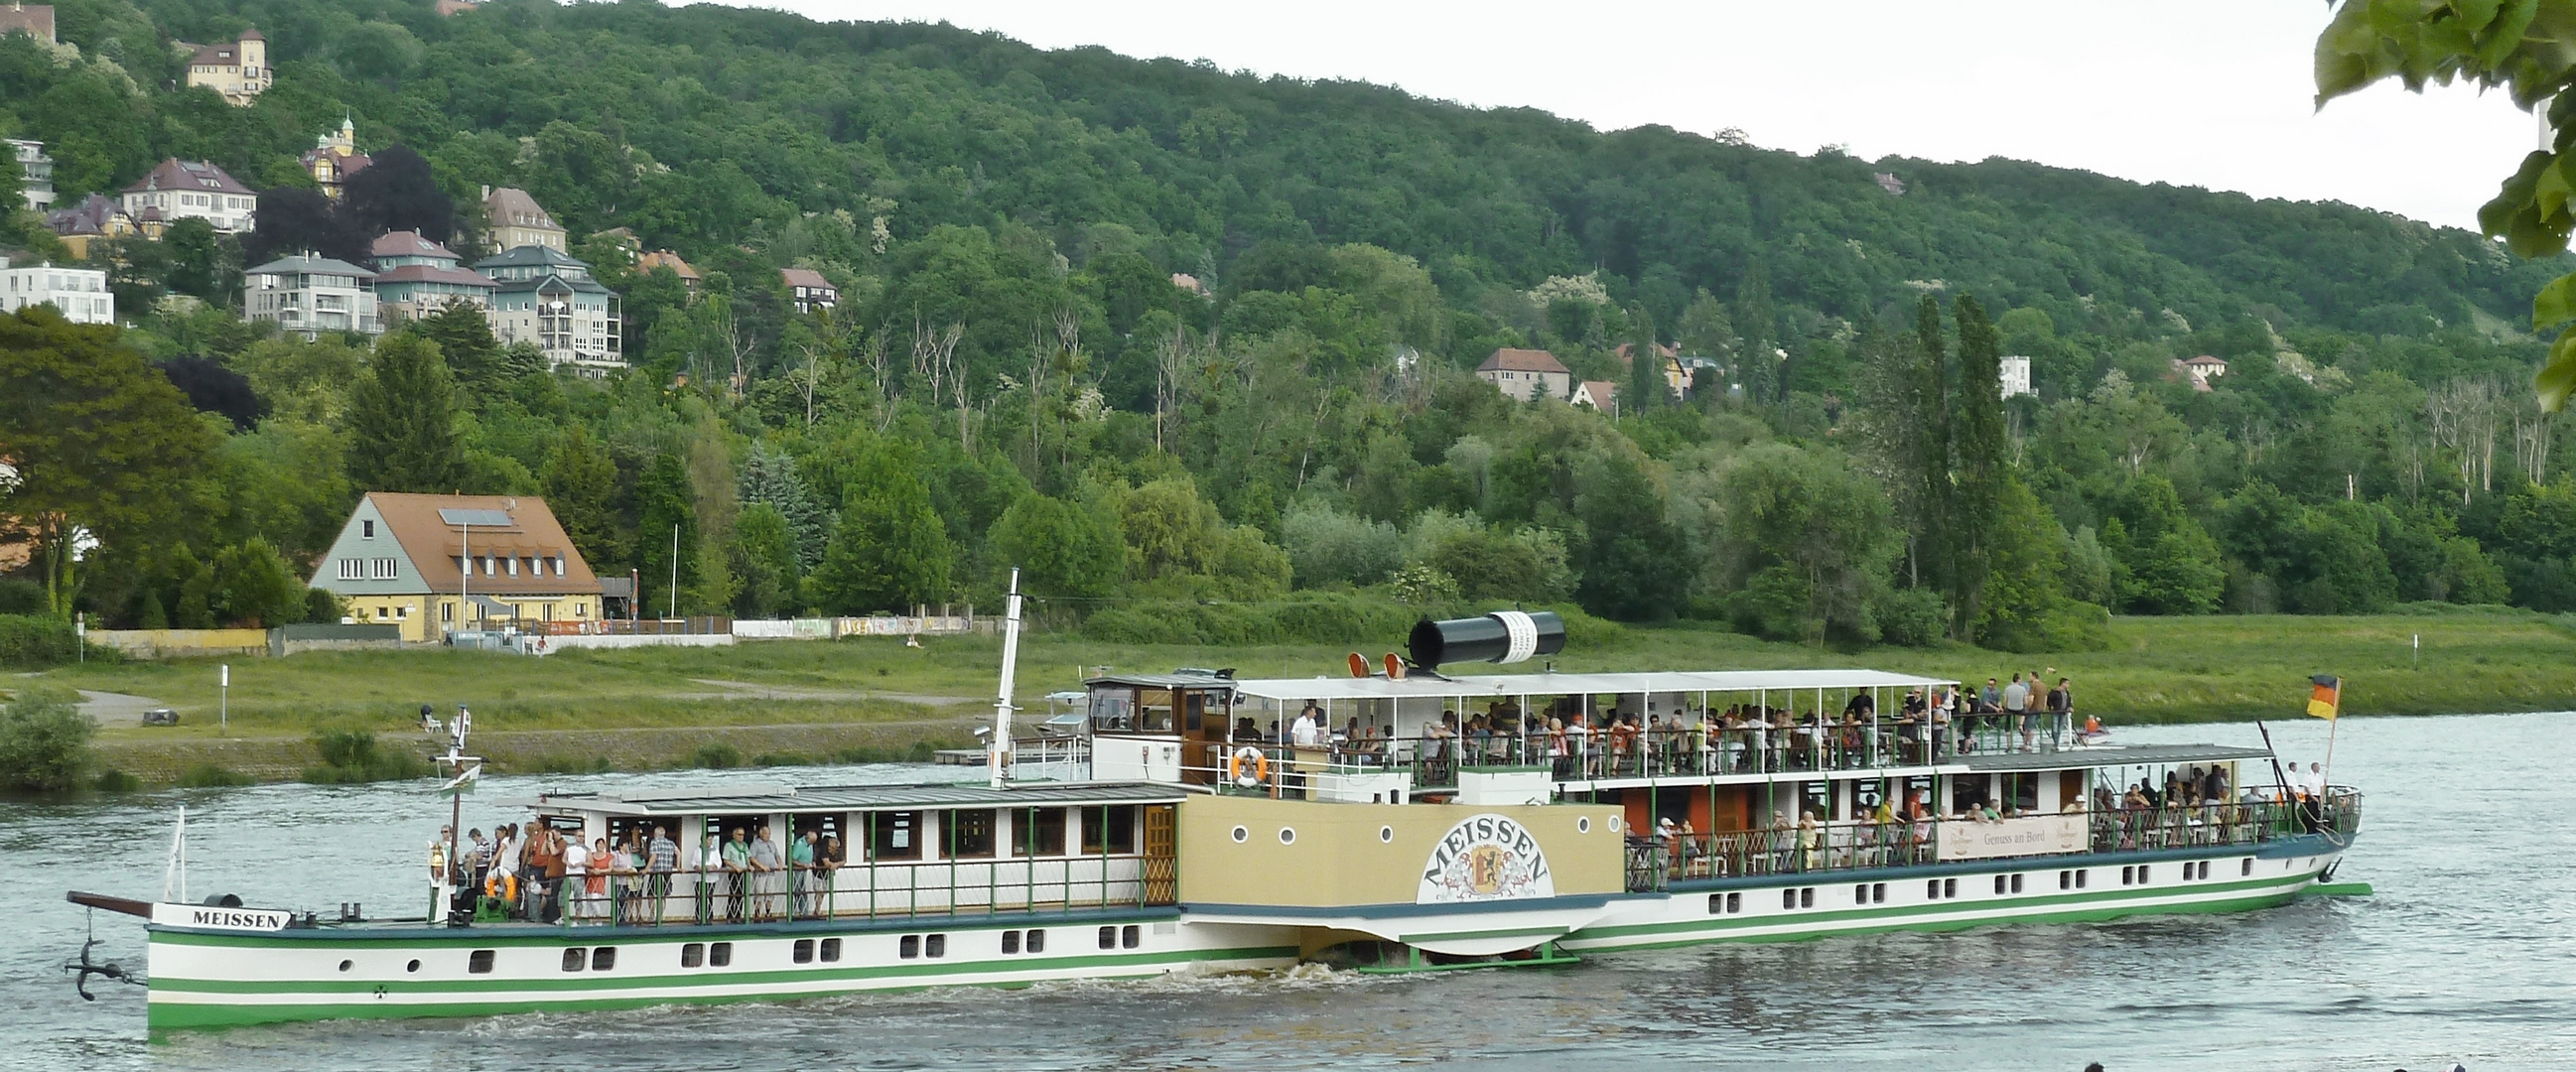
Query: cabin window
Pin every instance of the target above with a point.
(935, 945)
(831, 950)
(804, 951)
(909, 948)
(1109, 830)
(2022, 790)
(1113, 710)
(575, 957)
(1999, 885)
(1154, 710)
(479, 962)
(1040, 832)
(1932, 889)
(894, 835)
(1037, 941)
(2204, 869)
(2066, 880)
(1878, 893)
(1010, 942)
(2128, 876)
(693, 954)
(2247, 867)
(1860, 894)
(2079, 877)
(1129, 936)
(1193, 711)
(1949, 888)
(1789, 898)
(1108, 937)
(2016, 883)
(969, 833)
(719, 954)
(603, 958)
(2142, 873)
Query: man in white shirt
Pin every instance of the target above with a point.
(2016, 706)
(2316, 781)
(1304, 732)
(576, 860)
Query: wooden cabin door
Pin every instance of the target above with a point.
(1162, 865)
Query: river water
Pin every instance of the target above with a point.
(2465, 954)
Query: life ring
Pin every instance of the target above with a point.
(1248, 758)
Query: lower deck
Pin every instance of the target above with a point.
(208, 979)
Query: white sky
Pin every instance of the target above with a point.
(2211, 93)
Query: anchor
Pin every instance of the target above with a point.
(83, 968)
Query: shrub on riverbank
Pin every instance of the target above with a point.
(36, 640)
(44, 741)
(351, 756)
(214, 776)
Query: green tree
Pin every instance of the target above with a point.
(890, 551)
(103, 446)
(1062, 548)
(665, 552)
(1801, 544)
(580, 482)
(474, 356)
(1630, 559)
(1645, 388)
(402, 422)
(764, 562)
(1978, 480)
(767, 476)
(254, 588)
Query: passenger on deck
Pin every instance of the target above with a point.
(1307, 731)
(738, 876)
(661, 858)
(769, 886)
(712, 880)
(2061, 714)
(801, 868)
(588, 897)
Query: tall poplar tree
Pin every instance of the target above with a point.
(402, 424)
(1757, 364)
(1980, 470)
(1645, 387)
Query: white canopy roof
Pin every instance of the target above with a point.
(1552, 684)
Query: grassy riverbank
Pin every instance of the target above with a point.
(875, 697)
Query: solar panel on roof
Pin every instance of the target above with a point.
(486, 518)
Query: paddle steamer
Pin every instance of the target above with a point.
(1196, 821)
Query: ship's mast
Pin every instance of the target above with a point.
(997, 752)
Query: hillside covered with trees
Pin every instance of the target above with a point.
(1016, 377)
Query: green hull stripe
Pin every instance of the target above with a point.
(580, 981)
(2081, 915)
(1936, 914)
(521, 934)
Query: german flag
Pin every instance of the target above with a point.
(2325, 696)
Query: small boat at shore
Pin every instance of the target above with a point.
(1389, 821)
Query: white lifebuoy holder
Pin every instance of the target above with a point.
(1248, 767)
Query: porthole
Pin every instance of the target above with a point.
(1807, 897)
(693, 954)
(2016, 883)
(1037, 941)
(479, 962)
(2247, 867)
(803, 952)
(935, 945)
(1734, 903)
(1010, 942)
(1241, 835)
(1788, 898)
(603, 958)
(1614, 824)
(1129, 936)
(575, 957)
(1287, 835)
(1949, 888)
(1583, 824)
(1108, 937)
(1932, 889)
(719, 954)
(348, 964)
(831, 950)
(908, 948)
(1716, 903)
(1878, 893)
(1386, 835)
(412, 967)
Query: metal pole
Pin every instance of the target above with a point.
(998, 751)
(675, 570)
(224, 701)
(464, 572)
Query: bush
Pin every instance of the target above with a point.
(211, 776)
(22, 597)
(716, 757)
(351, 756)
(1911, 617)
(322, 607)
(36, 640)
(44, 741)
(113, 780)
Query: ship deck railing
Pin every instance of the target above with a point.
(854, 891)
(1661, 752)
(1655, 861)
